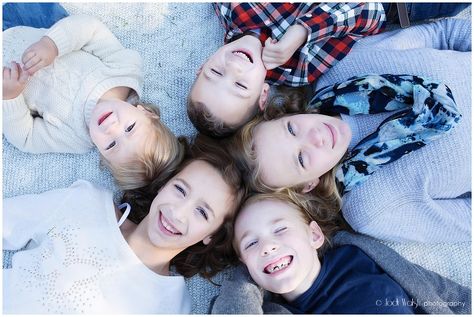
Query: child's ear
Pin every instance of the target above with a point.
(309, 186)
(317, 236)
(207, 240)
(262, 101)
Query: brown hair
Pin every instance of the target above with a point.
(281, 99)
(207, 260)
(161, 156)
(242, 148)
(206, 123)
(309, 208)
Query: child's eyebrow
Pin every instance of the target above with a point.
(246, 233)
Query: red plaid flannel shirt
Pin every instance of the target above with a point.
(333, 29)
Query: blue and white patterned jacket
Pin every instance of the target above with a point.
(426, 111)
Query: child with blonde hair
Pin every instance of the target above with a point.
(354, 127)
(77, 88)
(284, 243)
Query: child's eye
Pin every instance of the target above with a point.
(215, 72)
(181, 190)
(241, 86)
(300, 159)
(130, 127)
(111, 145)
(203, 212)
(252, 243)
(281, 229)
(290, 129)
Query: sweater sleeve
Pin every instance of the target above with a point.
(82, 32)
(428, 111)
(26, 217)
(38, 134)
(239, 295)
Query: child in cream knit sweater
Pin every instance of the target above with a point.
(79, 87)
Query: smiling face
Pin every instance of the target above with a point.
(278, 247)
(119, 130)
(231, 81)
(189, 208)
(299, 149)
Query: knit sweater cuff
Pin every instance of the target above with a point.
(60, 38)
(13, 107)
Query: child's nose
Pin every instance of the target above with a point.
(179, 212)
(112, 128)
(315, 138)
(233, 65)
(268, 248)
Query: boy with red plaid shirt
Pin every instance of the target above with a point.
(273, 43)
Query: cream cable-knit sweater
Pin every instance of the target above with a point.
(78, 260)
(53, 112)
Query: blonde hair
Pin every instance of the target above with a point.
(310, 210)
(161, 156)
(242, 148)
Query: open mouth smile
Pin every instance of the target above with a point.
(278, 265)
(102, 119)
(243, 55)
(166, 226)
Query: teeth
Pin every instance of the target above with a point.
(283, 263)
(168, 226)
(241, 54)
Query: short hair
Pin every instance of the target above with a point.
(207, 123)
(329, 221)
(206, 260)
(161, 156)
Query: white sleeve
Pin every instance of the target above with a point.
(26, 216)
(38, 134)
(84, 32)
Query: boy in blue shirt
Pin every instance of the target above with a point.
(283, 248)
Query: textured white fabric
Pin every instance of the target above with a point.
(78, 260)
(90, 62)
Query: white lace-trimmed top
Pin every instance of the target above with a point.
(78, 260)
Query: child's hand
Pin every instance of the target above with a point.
(39, 55)
(14, 81)
(278, 53)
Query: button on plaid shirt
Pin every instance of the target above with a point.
(333, 28)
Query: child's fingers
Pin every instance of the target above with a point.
(23, 76)
(35, 68)
(32, 63)
(6, 73)
(27, 55)
(268, 42)
(14, 70)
